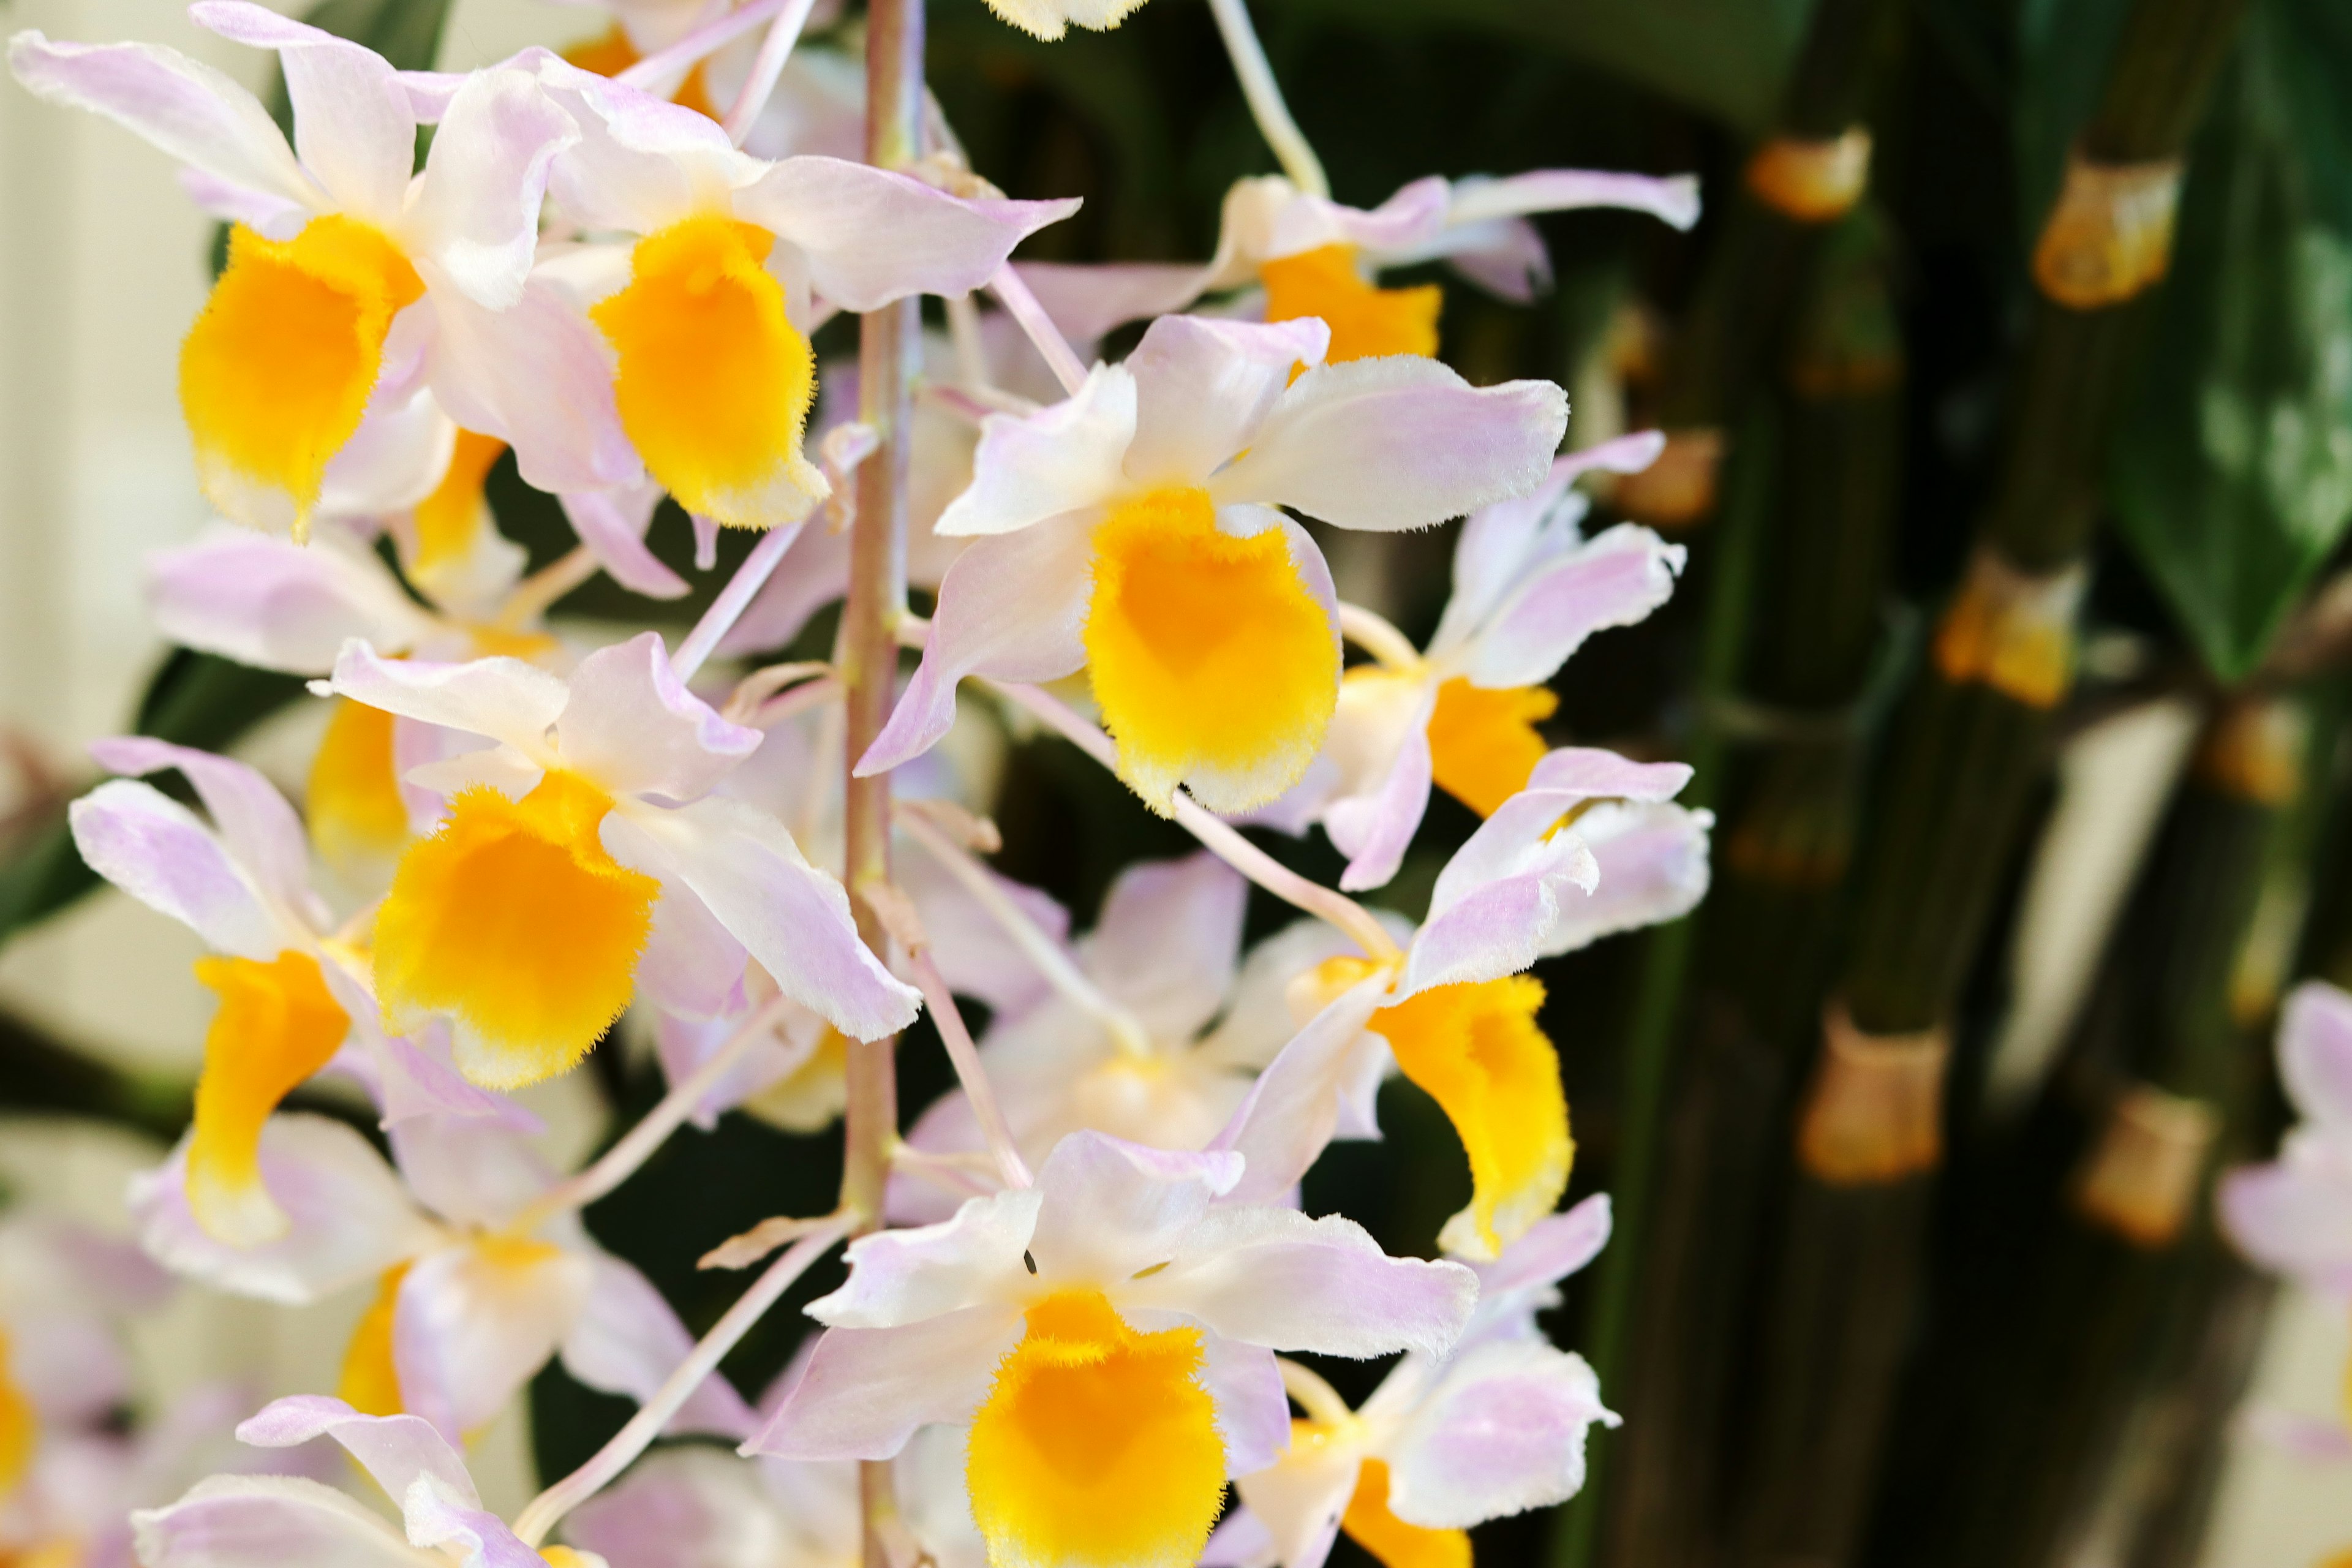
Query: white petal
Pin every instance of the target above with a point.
(538, 376)
(1295, 1105)
(1397, 442)
(899, 1276)
(351, 1217)
(1065, 457)
(394, 1449)
(477, 203)
(154, 848)
(1168, 942)
(631, 725)
(792, 916)
(1111, 1207)
(504, 699)
(474, 1324)
(1502, 1431)
(2315, 1050)
(260, 830)
(268, 1521)
(1654, 861)
(1202, 387)
(628, 1340)
(353, 126)
(1298, 1499)
(865, 1390)
(1614, 580)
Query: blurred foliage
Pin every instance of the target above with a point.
(2233, 479)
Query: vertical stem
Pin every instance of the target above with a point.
(890, 342)
(1265, 96)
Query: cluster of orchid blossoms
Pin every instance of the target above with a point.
(1065, 1322)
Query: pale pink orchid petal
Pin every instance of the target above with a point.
(683, 1045)
(1258, 1021)
(640, 160)
(1012, 607)
(1506, 257)
(1273, 1277)
(1241, 1540)
(485, 178)
(538, 376)
(352, 127)
(2293, 1216)
(865, 1392)
(632, 725)
(1590, 773)
(975, 954)
(692, 965)
(261, 831)
(1500, 895)
(401, 450)
(1067, 457)
(1654, 858)
(267, 1522)
(1111, 1207)
(871, 236)
(1396, 443)
(1202, 387)
(612, 524)
(2315, 1051)
(1411, 217)
(415, 1077)
(789, 916)
(469, 1170)
(504, 699)
(1295, 1108)
(1253, 1411)
(1502, 1431)
(269, 214)
(472, 1325)
(155, 849)
(473, 1537)
(627, 1340)
(1169, 940)
(1087, 300)
(1615, 579)
(1296, 1503)
(394, 1449)
(1375, 827)
(698, 1507)
(1548, 1251)
(184, 108)
(350, 1216)
(1673, 199)
(71, 1369)
(901, 1277)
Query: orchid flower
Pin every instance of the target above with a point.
(1527, 591)
(477, 1281)
(294, 997)
(1456, 1012)
(1109, 1336)
(338, 252)
(586, 838)
(267, 1522)
(691, 344)
(2293, 1215)
(1161, 1046)
(1314, 258)
(1495, 1427)
(1132, 532)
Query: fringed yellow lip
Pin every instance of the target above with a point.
(512, 917)
(715, 385)
(278, 1024)
(1213, 664)
(1366, 323)
(1483, 744)
(276, 372)
(1098, 1447)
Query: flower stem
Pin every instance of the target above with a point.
(889, 361)
(965, 1055)
(550, 1506)
(766, 66)
(1218, 836)
(1377, 636)
(1059, 357)
(1265, 95)
(734, 599)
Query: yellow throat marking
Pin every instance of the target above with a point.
(278, 1023)
(277, 370)
(513, 917)
(1483, 742)
(1366, 323)
(1097, 1444)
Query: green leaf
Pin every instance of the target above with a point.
(1727, 59)
(195, 699)
(2233, 474)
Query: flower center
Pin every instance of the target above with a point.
(455, 517)
(276, 372)
(1214, 664)
(354, 802)
(1097, 1444)
(1483, 742)
(1476, 1049)
(1365, 321)
(278, 1023)
(1396, 1543)
(715, 383)
(512, 917)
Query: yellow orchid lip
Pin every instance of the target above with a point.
(715, 385)
(1483, 741)
(278, 1024)
(1366, 321)
(276, 375)
(513, 917)
(1098, 1447)
(1397, 1544)
(356, 813)
(1213, 664)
